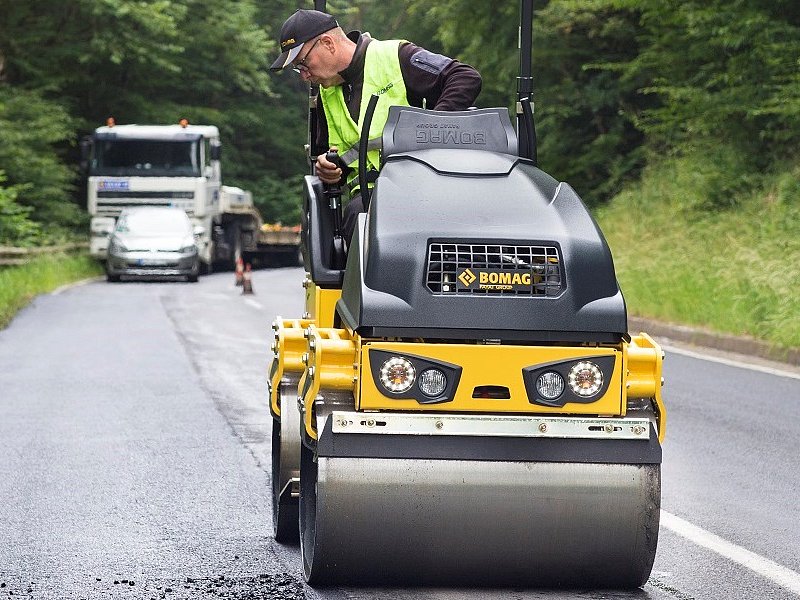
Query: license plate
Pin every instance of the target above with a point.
(143, 262)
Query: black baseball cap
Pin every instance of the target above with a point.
(302, 26)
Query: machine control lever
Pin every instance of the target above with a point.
(333, 192)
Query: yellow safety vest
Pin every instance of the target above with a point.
(382, 76)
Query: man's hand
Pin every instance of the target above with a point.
(327, 171)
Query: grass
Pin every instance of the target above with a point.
(19, 285)
(733, 268)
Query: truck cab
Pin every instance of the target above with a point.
(153, 165)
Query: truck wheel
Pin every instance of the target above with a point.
(233, 238)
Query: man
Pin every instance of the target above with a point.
(349, 68)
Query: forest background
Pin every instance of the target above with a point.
(678, 122)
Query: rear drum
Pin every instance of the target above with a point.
(285, 467)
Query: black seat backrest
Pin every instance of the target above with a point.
(317, 235)
(409, 128)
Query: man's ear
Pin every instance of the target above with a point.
(327, 41)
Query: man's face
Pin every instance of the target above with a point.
(316, 65)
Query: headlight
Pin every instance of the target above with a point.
(188, 249)
(411, 377)
(103, 225)
(585, 379)
(432, 382)
(581, 379)
(397, 374)
(550, 385)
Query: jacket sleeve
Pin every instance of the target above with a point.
(437, 82)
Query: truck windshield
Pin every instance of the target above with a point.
(148, 158)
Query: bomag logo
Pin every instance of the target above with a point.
(451, 136)
(496, 280)
(467, 277)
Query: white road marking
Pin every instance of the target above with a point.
(74, 284)
(731, 362)
(786, 578)
(217, 295)
(253, 303)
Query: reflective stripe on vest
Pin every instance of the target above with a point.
(382, 76)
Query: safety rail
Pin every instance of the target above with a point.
(11, 257)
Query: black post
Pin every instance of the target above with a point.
(526, 128)
(313, 98)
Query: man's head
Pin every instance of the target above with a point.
(313, 42)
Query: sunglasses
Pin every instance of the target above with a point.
(301, 66)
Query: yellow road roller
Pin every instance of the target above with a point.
(461, 401)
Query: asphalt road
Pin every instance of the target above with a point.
(134, 457)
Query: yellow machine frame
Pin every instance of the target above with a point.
(337, 360)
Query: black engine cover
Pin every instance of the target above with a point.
(462, 199)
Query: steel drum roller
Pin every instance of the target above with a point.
(478, 522)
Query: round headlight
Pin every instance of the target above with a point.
(432, 382)
(585, 379)
(550, 385)
(397, 374)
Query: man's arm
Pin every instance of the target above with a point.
(441, 82)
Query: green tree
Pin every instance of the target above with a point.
(586, 105)
(16, 228)
(156, 61)
(32, 130)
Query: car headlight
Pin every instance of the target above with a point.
(188, 249)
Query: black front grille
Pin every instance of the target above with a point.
(493, 269)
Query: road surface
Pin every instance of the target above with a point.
(135, 457)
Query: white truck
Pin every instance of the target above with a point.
(177, 165)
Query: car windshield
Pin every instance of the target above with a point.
(146, 158)
(154, 222)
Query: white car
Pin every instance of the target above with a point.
(153, 241)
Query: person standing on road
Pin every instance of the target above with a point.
(349, 68)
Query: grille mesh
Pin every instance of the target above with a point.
(447, 261)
